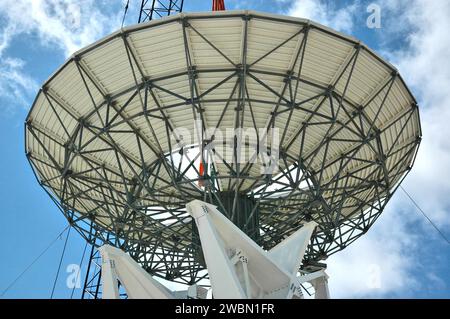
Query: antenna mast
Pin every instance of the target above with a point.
(159, 8)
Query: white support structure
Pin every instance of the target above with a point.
(320, 285)
(239, 269)
(118, 266)
(138, 284)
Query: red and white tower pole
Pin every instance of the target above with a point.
(218, 5)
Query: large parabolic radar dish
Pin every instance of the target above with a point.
(134, 126)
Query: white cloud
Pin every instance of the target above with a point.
(423, 63)
(381, 262)
(65, 25)
(426, 68)
(325, 13)
(68, 24)
(392, 245)
(16, 87)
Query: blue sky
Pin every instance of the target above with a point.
(402, 252)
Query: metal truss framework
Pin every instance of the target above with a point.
(92, 286)
(92, 282)
(158, 9)
(160, 236)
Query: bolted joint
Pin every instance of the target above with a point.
(146, 81)
(330, 89)
(67, 173)
(192, 71)
(307, 27)
(71, 221)
(185, 22)
(288, 77)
